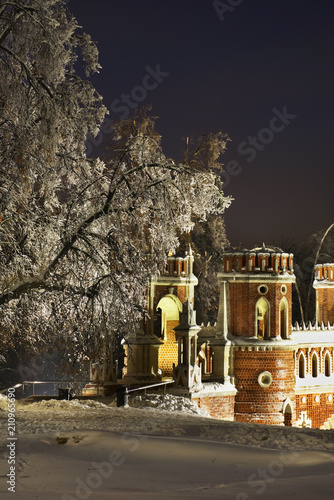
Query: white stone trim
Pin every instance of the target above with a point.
(287, 403)
(326, 384)
(303, 421)
(256, 278)
(265, 379)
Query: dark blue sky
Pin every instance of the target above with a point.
(237, 71)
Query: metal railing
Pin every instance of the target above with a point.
(123, 388)
(127, 390)
(59, 383)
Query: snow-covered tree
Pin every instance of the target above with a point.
(79, 237)
(318, 249)
(208, 239)
(46, 111)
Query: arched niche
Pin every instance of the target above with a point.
(314, 364)
(301, 365)
(287, 412)
(168, 309)
(262, 319)
(327, 365)
(284, 318)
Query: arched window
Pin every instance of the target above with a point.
(314, 365)
(283, 318)
(288, 416)
(169, 351)
(262, 315)
(327, 365)
(301, 365)
(287, 412)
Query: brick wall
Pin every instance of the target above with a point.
(242, 314)
(221, 407)
(325, 299)
(168, 351)
(162, 290)
(258, 404)
(319, 407)
(323, 354)
(243, 299)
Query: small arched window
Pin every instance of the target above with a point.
(301, 365)
(314, 365)
(262, 319)
(327, 365)
(283, 319)
(287, 412)
(288, 416)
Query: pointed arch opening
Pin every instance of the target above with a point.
(167, 310)
(314, 363)
(287, 412)
(168, 353)
(327, 365)
(301, 365)
(262, 319)
(284, 318)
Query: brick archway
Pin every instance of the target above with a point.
(287, 412)
(170, 306)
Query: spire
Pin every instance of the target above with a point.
(223, 311)
(187, 315)
(190, 258)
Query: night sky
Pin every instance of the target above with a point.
(259, 70)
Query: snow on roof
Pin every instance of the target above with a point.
(313, 336)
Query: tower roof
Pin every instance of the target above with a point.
(265, 249)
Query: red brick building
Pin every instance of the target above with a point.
(252, 365)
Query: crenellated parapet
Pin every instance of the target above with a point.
(256, 294)
(324, 275)
(258, 260)
(179, 266)
(324, 291)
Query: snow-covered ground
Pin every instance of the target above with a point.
(159, 447)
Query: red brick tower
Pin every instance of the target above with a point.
(324, 289)
(259, 326)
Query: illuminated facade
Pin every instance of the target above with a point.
(252, 365)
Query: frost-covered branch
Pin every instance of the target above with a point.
(80, 237)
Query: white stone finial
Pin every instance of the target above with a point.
(187, 315)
